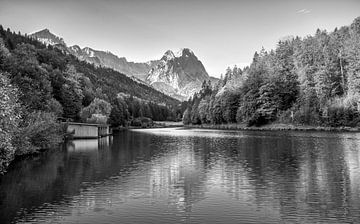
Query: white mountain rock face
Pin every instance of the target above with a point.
(179, 75)
(47, 38)
(108, 59)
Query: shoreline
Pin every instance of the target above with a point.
(157, 124)
(275, 127)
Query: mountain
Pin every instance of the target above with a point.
(97, 57)
(108, 59)
(179, 74)
(59, 68)
(46, 37)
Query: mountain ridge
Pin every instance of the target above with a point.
(178, 74)
(47, 38)
(97, 57)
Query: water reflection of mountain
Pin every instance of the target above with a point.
(142, 175)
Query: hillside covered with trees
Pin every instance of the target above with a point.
(41, 84)
(313, 80)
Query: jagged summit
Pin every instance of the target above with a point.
(179, 75)
(184, 52)
(45, 31)
(110, 60)
(48, 38)
(168, 55)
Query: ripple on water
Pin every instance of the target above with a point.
(190, 176)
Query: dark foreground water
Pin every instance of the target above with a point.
(189, 176)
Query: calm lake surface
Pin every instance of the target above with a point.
(178, 175)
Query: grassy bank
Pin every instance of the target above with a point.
(275, 127)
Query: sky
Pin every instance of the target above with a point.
(221, 33)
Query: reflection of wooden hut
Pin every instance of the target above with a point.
(84, 130)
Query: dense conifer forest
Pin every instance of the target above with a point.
(41, 85)
(313, 80)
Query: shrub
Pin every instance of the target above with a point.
(39, 130)
(187, 116)
(55, 107)
(285, 116)
(343, 111)
(136, 122)
(94, 110)
(97, 119)
(9, 118)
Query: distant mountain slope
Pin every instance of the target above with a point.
(97, 57)
(108, 59)
(179, 75)
(111, 81)
(47, 38)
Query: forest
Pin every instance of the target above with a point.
(40, 86)
(313, 80)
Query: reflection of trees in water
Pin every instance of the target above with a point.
(178, 175)
(27, 184)
(324, 179)
(48, 177)
(351, 159)
(293, 176)
(86, 166)
(299, 176)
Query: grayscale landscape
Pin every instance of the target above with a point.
(179, 111)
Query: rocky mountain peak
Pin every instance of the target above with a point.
(179, 75)
(184, 52)
(48, 38)
(169, 55)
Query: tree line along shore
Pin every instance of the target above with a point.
(311, 81)
(274, 127)
(40, 84)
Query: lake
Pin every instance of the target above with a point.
(178, 175)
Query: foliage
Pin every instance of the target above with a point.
(46, 73)
(9, 119)
(119, 113)
(38, 130)
(98, 111)
(142, 122)
(44, 83)
(315, 81)
(187, 116)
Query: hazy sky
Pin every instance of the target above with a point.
(221, 33)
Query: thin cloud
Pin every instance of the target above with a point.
(303, 11)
